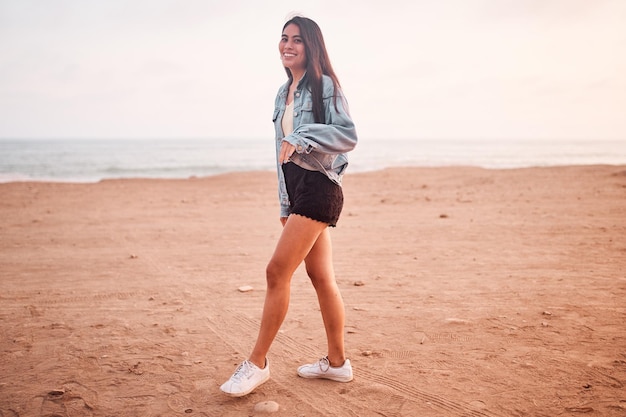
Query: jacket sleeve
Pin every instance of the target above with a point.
(337, 136)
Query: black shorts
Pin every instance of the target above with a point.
(312, 194)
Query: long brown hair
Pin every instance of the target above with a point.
(317, 63)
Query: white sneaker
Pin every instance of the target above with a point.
(322, 369)
(246, 378)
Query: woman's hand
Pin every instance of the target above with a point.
(286, 150)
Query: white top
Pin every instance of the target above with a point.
(287, 121)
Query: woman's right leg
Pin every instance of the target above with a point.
(298, 237)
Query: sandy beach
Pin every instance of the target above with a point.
(468, 292)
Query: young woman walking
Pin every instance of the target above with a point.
(314, 131)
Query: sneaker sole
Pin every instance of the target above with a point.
(330, 378)
(241, 394)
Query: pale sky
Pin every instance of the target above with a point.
(466, 69)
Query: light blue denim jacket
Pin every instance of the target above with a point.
(319, 147)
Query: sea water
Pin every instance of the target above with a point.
(91, 160)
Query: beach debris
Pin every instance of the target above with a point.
(56, 393)
(579, 409)
(478, 404)
(366, 353)
(359, 283)
(266, 407)
(135, 369)
(34, 312)
(180, 403)
(133, 256)
(245, 288)
(443, 216)
(546, 313)
(454, 320)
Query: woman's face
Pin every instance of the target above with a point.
(291, 47)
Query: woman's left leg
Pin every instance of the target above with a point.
(319, 267)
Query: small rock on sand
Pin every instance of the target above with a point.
(266, 407)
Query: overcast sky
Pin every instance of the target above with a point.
(503, 69)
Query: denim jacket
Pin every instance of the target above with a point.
(319, 147)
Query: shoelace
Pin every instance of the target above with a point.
(242, 371)
(324, 363)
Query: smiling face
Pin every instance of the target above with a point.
(292, 51)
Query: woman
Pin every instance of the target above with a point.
(313, 133)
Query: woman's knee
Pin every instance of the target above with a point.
(320, 279)
(276, 275)
(313, 274)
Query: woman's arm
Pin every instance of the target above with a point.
(338, 135)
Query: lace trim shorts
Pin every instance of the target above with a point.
(312, 194)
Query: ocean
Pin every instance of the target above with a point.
(91, 160)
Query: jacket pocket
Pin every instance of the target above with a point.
(306, 112)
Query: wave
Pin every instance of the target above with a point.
(94, 160)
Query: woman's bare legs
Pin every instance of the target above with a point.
(319, 267)
(298, 237)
